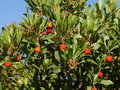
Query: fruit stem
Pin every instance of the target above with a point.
(108, 51)
(100, 67)
(62, 38)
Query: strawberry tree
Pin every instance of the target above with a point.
(62, 44)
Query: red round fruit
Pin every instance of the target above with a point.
(7, 64)
(87, 51)
(48, 31)
(37, 49)
(18, 58)
(67, 14)
(94, 88)
(109, 59)
(100, 74)
(63, 47)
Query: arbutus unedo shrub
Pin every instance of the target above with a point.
(62, 45)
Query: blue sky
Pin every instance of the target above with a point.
(12, 11)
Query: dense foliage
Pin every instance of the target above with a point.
(62, 45)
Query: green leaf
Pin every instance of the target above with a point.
(96, 46)
(113, 35)
(57, 2)
(44, 77)
(102, 29)
(114, 47)
(95, 76)
(89, 87)
(103, 58)
(100, 4)
(25, 81)
(2, 62)
(47, 61)
(42, 88)
(74, 46)
(36, 66)
(16, 88)
(77, 36)
(53, 76)
(57, 69)
(0, 86)
(85, 45)
(106, 82)
(107, 8)
(91, 61)
(64, 56)
(51, 41)
(89, 22)
(78, 53)
(73, 77)
(57, 56)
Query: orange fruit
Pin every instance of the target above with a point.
(100, 74)
(7, 64)
(107, 28)
(50, 25)
(18, 58)
(37, 49)
(63, 47)
(87, 51)
(94, 88)
(67, 14)
(109, 59)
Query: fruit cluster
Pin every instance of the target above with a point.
(49, 28)
(72, 64)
